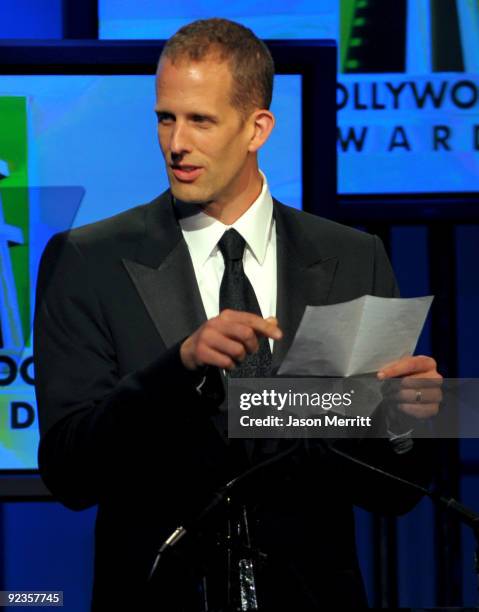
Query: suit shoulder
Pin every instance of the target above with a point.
(113, 233)
(329, 233)
(124, 225)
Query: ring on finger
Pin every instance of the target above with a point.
(418, 396)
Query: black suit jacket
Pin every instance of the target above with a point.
(122, 425)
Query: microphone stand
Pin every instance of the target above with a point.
(462, 513)
(241, 561)
(244, 583)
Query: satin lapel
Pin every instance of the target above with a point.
(304, 278)
(170, 294)
(164, 277)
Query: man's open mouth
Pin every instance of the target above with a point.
(186, 173)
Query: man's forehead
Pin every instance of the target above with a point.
(207, 81)
(199, 87)
(214, 62)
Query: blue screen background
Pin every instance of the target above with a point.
(377, 167)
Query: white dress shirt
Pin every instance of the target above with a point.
(202, 234)
(257, 226)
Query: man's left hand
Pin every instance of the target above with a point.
(419, 393)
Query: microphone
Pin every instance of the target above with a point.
(463, 513)
(460, 511)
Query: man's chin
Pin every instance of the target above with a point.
(188, 196)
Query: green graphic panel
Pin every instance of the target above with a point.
(14, 151)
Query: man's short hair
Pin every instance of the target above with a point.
(250, 61)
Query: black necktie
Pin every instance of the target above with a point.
(237, 293)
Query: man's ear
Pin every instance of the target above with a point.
(263, 124)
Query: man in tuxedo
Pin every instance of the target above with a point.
(140, 316)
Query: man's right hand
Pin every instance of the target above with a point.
(225, 340)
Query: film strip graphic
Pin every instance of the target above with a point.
(414, 36)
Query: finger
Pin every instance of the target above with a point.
(406, 366)
(222, 343)
(240, 333)
(425, 379)
(408, 388)
(412, 390)
(268, 328)
(420, 411)
(422, 396)
(274, 322)
(416, 381)
(212, 357)
(263, 327)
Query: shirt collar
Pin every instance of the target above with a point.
(202, 232)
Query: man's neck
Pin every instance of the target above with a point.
(228, 212)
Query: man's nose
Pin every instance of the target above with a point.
(179, 142)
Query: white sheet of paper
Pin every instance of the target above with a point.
(357, 337)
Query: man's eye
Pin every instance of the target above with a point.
(200, 119)
(165, 118)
